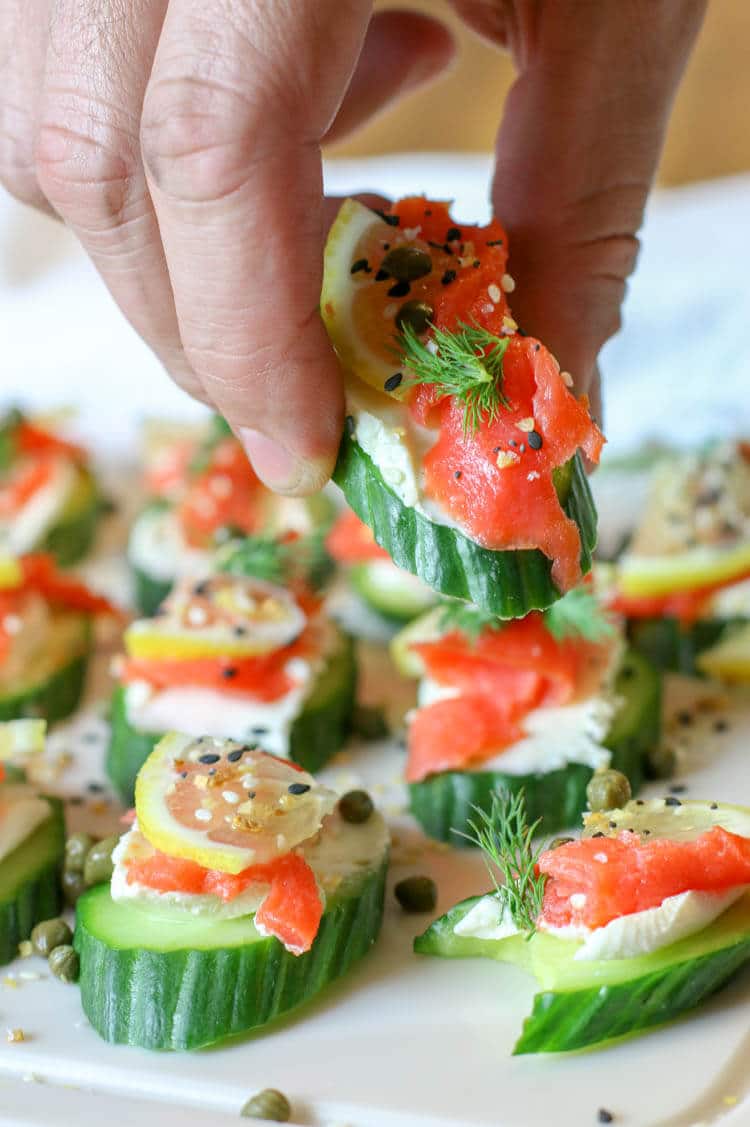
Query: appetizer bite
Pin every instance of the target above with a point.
(32, 841)
(46, 637)
(639, 920)
(240, 891)
(534, 705)
(396, 595)
(463, 441)
(203, 492)
(684, 582)
(49, 498)
(236, 657)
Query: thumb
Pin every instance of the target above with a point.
(577, 151)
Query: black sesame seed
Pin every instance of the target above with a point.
(349, 425)
(494, 243)
(496, 449)
(537, 347)
(670, 800)
(522, 448)
(521, 333)
(428, 211)
(210, 757)
(360, 264)
(646, 832)
(400, 289)
(714, 806)
(393, 381)
(236, 755)
(298, 788)
(604, 1116)
(229, 671)
(678, 788)
(448, 277)
(476, 264)
(685, 718)
(95, 788)
(212, 770)
(457, 475)
(239, 631)
(452, 234)
(259, 731)
(512, 442)
(251, 794)
(613, 825)
(721, 726)
(381, 275)
(639, 802)
(535, 440)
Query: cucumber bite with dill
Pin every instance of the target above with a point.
(463, 443)
(636, 922)
(236, 657)
(535, 705)
(241, 890)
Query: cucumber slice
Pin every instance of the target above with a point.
(316, 734)
(669, 574)
(586, 1003)
(149, 592)
(673, 647)
(444, 804)
(395, 594)
(151, 981)
(728, 659)
(508, 584)
(29, 882)
(52, 690)
(72, 536)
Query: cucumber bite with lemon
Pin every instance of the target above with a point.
(684, 582)
(202, 493)
(535, 705)
(239, 893)
(32, 841)
(49, 498)
(641, 919)
(396, 595)
(46, 637)
(236, 657)
(463, 442)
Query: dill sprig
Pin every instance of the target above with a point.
(505, 838)
(579, 614)
(256, 557)
(470, 620)
(467, 364)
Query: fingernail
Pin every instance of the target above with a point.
(277, 467)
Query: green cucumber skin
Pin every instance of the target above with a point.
(508, 584)
(149, 593)
(53, 699)
(187, 999)
(38, 897)
(578, 1019)
(392, 608)
(444, 803)
(72, 538)
(673, 647)
(319, 731)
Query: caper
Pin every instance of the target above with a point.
(416, 314)
(407, 263)
(64, 963)
(369, 723)
(608, 790)
(50, 934)
(76, 848)
(416, 894)
(268, 1104)
(558, 841)
(356, 806)
(660, 763)
(98, 867)
(73, 886)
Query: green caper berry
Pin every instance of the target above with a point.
(98, 867)
(416, 894)
(64, 963)
(407, 263)
(356, 806)
(608, 790)
(76, 848)
(369, 723)
(660, 763)
(558, 841)
(50, 934)
(73, 886)
(416, 314)
(268, 1104)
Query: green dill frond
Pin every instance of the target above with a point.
(468, 619)
(505, 839)
(579, 614)
(256, 557)
(467, 364)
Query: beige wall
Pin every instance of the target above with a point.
(710, 129)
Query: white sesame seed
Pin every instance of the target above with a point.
(230, 796)
(507, 283)
(494, 293)
(578, 900)
(526, 425)
(197, 616)
(203, 815)
(566, 378)
(432, 347)
(248, 781)
(533, 476)
(507, 458)
(411, 233)
(602, 858)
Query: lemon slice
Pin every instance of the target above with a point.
(224, 616)
(366, 355)
(669, 574)
(729, 659)
(427, 628)
(224, 805)
(669, 818)
(21, 737)
(11, 574)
